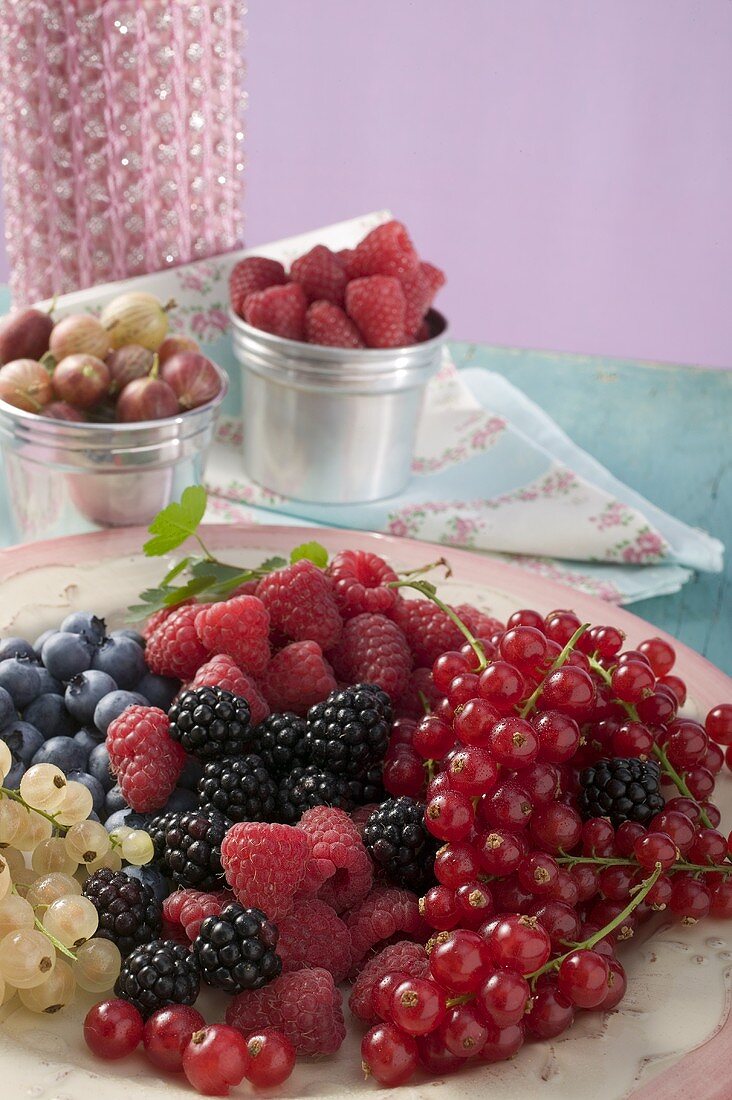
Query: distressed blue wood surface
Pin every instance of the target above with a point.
(665, 430)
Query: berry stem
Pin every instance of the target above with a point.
(588, 944)
(618, 861)
(15, 797)
(441, 563)
(556, 663)
(52, 939)
(427, 589)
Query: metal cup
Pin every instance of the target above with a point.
(332, 425)
(63, 477)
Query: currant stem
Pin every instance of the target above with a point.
(52, 939)
(588, 944)
(427, 589)
(15, 797)
(556, 663)
(441, 563)
(617, 861)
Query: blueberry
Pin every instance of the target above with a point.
(49, 684)
(132, 634)
(66, 655)
(38, 644)
(112, 705)
(122, 659)
(126, 817)
(151, 877)
(20, 679)
(84, 691)
(8, 710)
(92, 784)
(14, 776)
(86, 624)
(48, 714)
(22, 739)
(180, 800)
(192, 772)
(89, 737)
(98, 766)
(114, 800)
(159, 690)
(64, 752)
(16, 647)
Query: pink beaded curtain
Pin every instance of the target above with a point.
(122, 137)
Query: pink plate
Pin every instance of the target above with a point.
(672, 1035)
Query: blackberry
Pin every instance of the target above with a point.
(349, 733)
(241, 788)
(280, 741)
(397, 840)
(622, 790)
(156, 829)
(211, 723)
(192, 853)
(157, 974)
(236, 950)
(129, 912)
(370, 788)
(306, 787)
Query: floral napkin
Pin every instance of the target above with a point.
(492, 472)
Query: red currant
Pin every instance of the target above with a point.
(502, 1043)
(474, 722)
(560, 626)
(676, 685)
(507, 806)
(433, 738)
(558, 735)
(569, 690)
(166, 1034)
(500, 852)
(435, 1057)
(617, 983)
(502, 686)
(461, 961)
(537, 873)
(404, 773)
(472, 770)
(708, 847)
(462, 689)
(560, 921)
(520, 943)
(463, 1031)
(513, 743)
(113, 1029)
(677, 826)
(691, 899)
(271, 1058)
(598, 837)
(439, 908)
(718, 724)
(503, 997)
(447, 667)
(449, 816)
(556, 827)
(700, 782)
(551, 1013)
(655, 848)
(526, 617)
(541, 782)
(383, 991)
(583, 978)
(388, 1055)
(215, 1058)
(475, 902)
(523, 646)
(632, 739)
(457, 863)
(417, 1006)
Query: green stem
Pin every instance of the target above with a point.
(15, 797)
(427, 589)
(556, 663)
(56, 943)
(441, 563)
(588, 944)
(616, 861)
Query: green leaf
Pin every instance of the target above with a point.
(215, 570)
(177, 522)
(192, 588)
(174, 572)
(311, 551)
(271, 564)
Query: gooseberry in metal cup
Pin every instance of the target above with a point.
(26, 385)
(192, 377)
(81, 380)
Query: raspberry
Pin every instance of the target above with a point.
(417, 297)
(360, 581)
(434, 278)
(428, 630)
(314, 936)
(174, 648)
(373, 650)
(142, 755)
(403, 957)
(160, 616)
(382, 913)
(238, 627)
(301, 604)
(361, 814)
(305, 1005)
(279, 310)
(335, 838)
(321, 275)
(478, 622)
(297, 677)
(189, 908)
(251, 274)
(386, 250)
(378, 306)
(265, 865)
(420, 687)
(330, 326)
(221, 671)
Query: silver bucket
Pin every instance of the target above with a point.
(332, 425)
(65, 478)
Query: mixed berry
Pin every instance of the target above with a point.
(466, 824)
(376, 295)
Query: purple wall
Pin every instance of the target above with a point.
(569, 165)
